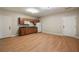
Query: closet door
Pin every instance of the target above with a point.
(6, 26)
(1, 27)
(69, 26)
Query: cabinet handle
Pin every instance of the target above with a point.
(63, 26)
(9, 27)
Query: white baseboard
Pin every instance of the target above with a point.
(69, 36)
(7, 36)
(75, 37)
(62, 35)
(13, 35)
(53, 33)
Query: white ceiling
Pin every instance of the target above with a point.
(43, 10)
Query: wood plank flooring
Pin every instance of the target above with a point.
(39, 42)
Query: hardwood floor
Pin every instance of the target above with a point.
(39, 42)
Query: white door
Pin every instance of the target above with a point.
(0, 27)
(69, 26)
(6, 26)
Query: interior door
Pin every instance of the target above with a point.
(69, 26)
(0, 27)
(6, 26)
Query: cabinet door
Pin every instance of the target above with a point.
(33, 30)
(35, 21)
(21, 21)
(27, 31)
(22, 31)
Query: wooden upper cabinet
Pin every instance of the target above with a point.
(21, 21)
(35, 21)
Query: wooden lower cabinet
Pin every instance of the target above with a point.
(27, 30)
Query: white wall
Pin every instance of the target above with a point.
(14, 19)
(53, 24)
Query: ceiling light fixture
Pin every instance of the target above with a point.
(32, 10)
(45, 8)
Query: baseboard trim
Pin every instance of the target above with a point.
(8, 36)
(13, 35)
(61, 34)
(75, 37)
(69, 36)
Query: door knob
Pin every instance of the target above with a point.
(9, 27)
(63, 26)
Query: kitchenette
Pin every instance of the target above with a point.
(28, 26)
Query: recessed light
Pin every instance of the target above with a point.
(32, 10)
(45, 8)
